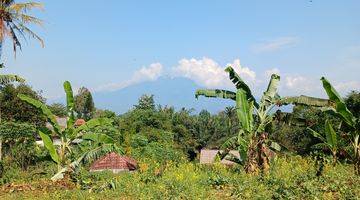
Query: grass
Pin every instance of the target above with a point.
(290, 178)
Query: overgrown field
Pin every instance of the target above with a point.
(291, 177)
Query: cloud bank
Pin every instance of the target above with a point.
(208, 73)
(149, 73)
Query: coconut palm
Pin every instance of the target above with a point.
(14, 22)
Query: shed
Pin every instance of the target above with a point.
(208, 156)
(114, 162)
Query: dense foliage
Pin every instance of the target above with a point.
(166, 144)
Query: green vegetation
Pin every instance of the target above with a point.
(46, 150)
(166, 144)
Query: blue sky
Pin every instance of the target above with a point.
(114, 44)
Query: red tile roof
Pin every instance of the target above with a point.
(114, 161)
(79, 122)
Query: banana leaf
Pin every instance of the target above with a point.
(98, 138)
(317, 135)
(240, 84)
(69, 103)
(340, 105)
(330, 134)
(304, 100)
(49, 145)
(225, 94)
(244, 110)
(271, 92)
(44, 109)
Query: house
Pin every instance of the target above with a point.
(62, 121)
(114, 162)
(208, 156)
(79, 122)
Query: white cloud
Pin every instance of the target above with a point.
(206, 72)
(209, 74)
(346, 87)
(275, 44)
(150, 73)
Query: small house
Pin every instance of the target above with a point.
(208, 157)
(114, 162)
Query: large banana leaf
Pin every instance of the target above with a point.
(240, 84)
(225, 94)
(271, 91)
(330, 134)
(49, 145)
(69, 103)
(8, 78)
(98, 138)
(94, 123)
(244, 110)
(304, 100)
(340, 105)
(44, 109)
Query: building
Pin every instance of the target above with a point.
(208, 157)
(115, 163)
(79, 122)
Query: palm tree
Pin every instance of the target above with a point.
(14, 21)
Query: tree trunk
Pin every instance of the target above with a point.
(263, 156)
(251, 165)
(257, 155)
(334, 158)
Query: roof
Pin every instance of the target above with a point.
(113, 161)
(208, 157)
(62, 121)
(79, 122)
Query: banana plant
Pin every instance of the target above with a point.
(338, 108)
(330, 141)
(252, 139)
(62, 154)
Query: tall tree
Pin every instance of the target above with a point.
(146, 102)
(14, 21)
(84, 104)
(58, 109)
(13, 109)
(6, 79)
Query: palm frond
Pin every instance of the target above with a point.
(25, 7)
(31, 33)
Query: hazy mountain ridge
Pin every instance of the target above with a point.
(177, 92)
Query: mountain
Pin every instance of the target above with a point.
(176, 92)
